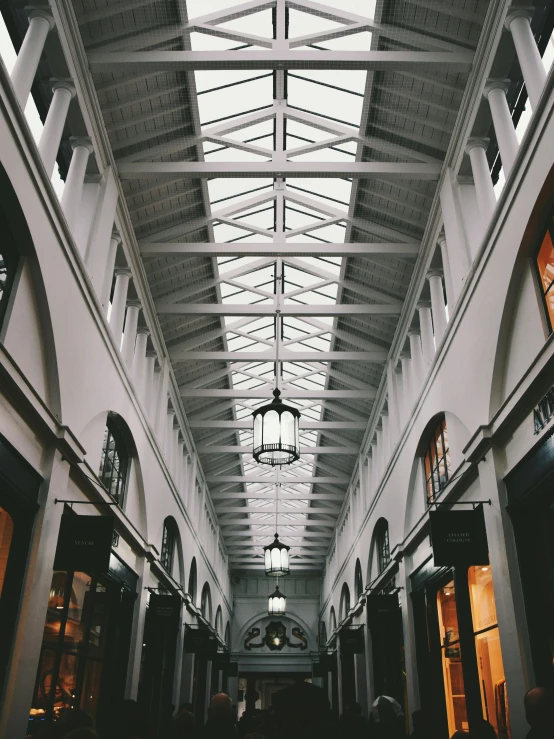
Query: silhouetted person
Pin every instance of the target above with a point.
(82, 734)
(125, 721)
(539, 712)
(483, 730)
(302, 712)
(220, 724)
(386, 720)
(183, 726)
(352, 724)
(420, 722)
(69, 720)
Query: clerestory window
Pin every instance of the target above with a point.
(169, 541)
(115, 463)
(437, 461)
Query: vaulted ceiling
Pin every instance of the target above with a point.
(279, 159)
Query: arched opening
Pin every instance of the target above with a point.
(435, 450)
(358, 580)
(382, 544)
(206, 603)
(219, 621)
(332, 620)
(115, 463)
(344, 606)
(169, 554)
(192, 580)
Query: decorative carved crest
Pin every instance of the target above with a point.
(275, 638)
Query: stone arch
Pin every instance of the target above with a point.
(513, 300)
(193, 580)
(344, 603)
(263, 614)
(28, 276)
(206, 602)
(358, 579)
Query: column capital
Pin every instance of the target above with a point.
(144, 331)
(496, 84)
(134, 303)
(514, 13)
(421, 304)
(41, 12)
(116, 236)
(63, 84)
(123, 272)
(441, 241)
(434, 273)
(405, 355)
(94, 179)
(385, 412)
(477, 143)
(170, 412)
(151, 354)
(413, 331)
(83, 142)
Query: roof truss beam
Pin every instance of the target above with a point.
(306, 249)
(290, 356)
(290, 310)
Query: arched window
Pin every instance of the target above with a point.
(219, 621)
(169, 544)
(192, 580)
(382, 544)
(332, 620)
(206, 603)
(437, 461)
(344, 607)
(115, 462)
(358, 579)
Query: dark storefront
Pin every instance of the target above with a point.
(351, 640)
(459, 660)
(531, 507)
(86, 640)
(384, 620)
(19, 489)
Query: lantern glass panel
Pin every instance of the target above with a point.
(271, 431)
(267, 557)
(285, 559)
(276, 559)
(288, 429)
(258, 425)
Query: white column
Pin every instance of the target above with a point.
(98, 239)
(175, 467)
(155, 394)
(149, 364)
(380, 454)
(168, 446)
(459, 252)
(51, 136)
(393, 404)
(474, 226)
(495, 92)
(87, 211)
(185, 476)
(386, 439)
(115, 240)
(426, 328)
(450, 296)
(408, 392)
(160, 408)
(130, 332)
(398, 381)
(25, 68)
(374, 467)
(532, 68)
(179, 466)
(139, 363)
(418, 370)
(117, 315)
(437, 303)
(486, 198)
(73, 190)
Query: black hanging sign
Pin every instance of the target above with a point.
(164, 611)
(84, 543)
(382, 609)
(459, 538)
(352, 640)
(200, 641)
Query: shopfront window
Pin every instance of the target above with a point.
(545, 267)
(452, 659)
(73, 646)
(437, 462)
(6, 535)
(487, 646)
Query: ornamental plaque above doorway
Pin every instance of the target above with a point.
(275, 637)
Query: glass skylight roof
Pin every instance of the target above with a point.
(254, 117)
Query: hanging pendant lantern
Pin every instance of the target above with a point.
(277, 603)
(276, 432)
(276, 557)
